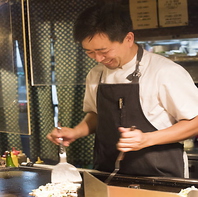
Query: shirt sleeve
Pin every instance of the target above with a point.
(178, 93)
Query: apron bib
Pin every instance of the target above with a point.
(119, 105)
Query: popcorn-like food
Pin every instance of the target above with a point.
(65, 189)
(184, 192)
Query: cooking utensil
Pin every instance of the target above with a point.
(117, 167)
(117, 163)
(64, 171)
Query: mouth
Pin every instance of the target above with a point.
(107, 62)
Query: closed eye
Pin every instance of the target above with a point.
(104, 52)
(89, 52)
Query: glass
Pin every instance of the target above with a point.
(13, 77)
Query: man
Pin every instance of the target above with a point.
(132, 87)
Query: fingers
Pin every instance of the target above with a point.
(66, 143)
(49, 137)
(130, 140)
(123, 130)
(66, 133)
(54, 136)
(127, 132)
(126, 145)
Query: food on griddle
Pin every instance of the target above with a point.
(184, 192)
(65, 189)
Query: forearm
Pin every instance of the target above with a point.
(87, 125)
(178, 132)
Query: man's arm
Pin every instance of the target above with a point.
(136, 140)
(87, 125)
(180, 131)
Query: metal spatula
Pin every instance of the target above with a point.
(64, 171)
(117, 167)
(117, 163)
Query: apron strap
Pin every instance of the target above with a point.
(134, 77)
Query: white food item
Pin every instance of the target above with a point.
(65, 189)
(184, 192)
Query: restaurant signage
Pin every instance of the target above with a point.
(173, 13)
(147, 14)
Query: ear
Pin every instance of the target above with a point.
(130, 38)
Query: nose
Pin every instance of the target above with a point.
(99, 57)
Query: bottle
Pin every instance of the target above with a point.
(15, 159)
(9, 162)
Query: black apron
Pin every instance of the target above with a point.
(119, 105)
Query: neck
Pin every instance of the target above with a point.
(132, 52)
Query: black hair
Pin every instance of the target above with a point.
(110, 19)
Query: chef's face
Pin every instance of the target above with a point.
(111, 54)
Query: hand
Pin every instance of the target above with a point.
(66, 133)
(131, 140)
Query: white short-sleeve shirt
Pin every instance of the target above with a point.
(167, 91)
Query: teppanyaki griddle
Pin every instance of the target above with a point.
(19, 182)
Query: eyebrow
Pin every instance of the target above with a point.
(95, 49)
